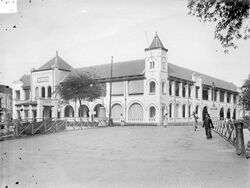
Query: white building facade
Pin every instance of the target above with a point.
(142, 91)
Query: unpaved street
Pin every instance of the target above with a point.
(123, 157)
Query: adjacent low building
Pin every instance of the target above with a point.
(5, 103)
(143, 91)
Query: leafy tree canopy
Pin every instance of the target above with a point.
(230, 16)
(79, 87)
(245, 98)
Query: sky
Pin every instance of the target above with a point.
(89, 32)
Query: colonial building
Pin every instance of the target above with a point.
(5, 102)
(142, 90)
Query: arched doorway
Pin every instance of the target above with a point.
(228, 113)
(116, 112)
(47, 112)
(135, 112)
(97, 110)
(204, 113)
(68, 111)
(83, 111)
(221, 113)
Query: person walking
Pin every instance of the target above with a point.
(122, 120)
(195, 120)
(165, 121)
(208, 124)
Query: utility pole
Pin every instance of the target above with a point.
(110, 90)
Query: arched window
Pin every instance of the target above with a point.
(183, 110)
(36, 92)
(170, 110)
(152, 88)
(83, 111)
(99, 110)
(49, 91)
(43, 92)
(116, 112)
(135, 112)
(152, 64)
(163, 88)
(68, 111)
(152, 112)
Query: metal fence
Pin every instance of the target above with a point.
(226, 129)
(18, 128)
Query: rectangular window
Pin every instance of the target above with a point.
(117, 88)
(204, 93)
(197, 92)
(189, 111)
(177, 89)
(136, 87)
(17, 94)
(189, 91)
(221, 96)
(103, 86)
(27, 94)
(228, 97)
(170, 87)
(183, 90)
(234, 99)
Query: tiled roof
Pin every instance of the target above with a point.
(136, 68)
(156, 43)
(186, 74)
(120, 69)
(26, 80)
(55, 61)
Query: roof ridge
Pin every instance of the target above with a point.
(203, 74)
(115, 63)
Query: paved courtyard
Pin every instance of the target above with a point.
(123, 157)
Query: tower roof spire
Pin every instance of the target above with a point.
(156, 43)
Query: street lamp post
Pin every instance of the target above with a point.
(213, 109)
(213, 93)
(110, 91)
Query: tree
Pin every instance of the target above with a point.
(245, 96)
(230, 16)
(80, 87)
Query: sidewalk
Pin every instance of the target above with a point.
(123, 157)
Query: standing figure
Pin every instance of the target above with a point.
(195, 120)
(122, 120)
(208, 124)
(165, 121)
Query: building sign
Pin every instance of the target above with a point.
(42, 79)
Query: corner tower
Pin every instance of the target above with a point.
(156, 73)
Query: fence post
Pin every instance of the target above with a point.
(32, 128)
(240, 146)
(45, 126)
